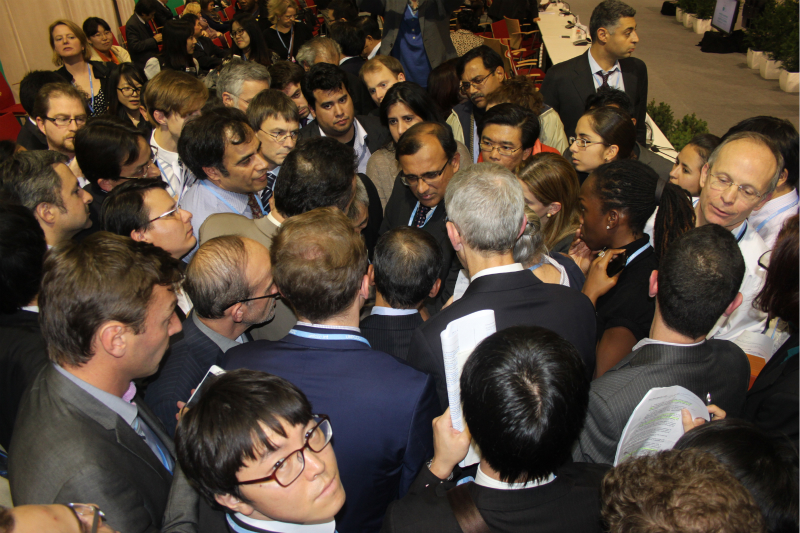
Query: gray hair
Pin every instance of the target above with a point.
(318, 46)
(234, 74)
(32, 177)
(530, 248)
(361, 198)
(486, 203)
(756, 138)
(216, 278)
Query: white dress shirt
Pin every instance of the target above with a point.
(769, 220)
(360, 146)
(615, 80)
(486, 481)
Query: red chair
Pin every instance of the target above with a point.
(179, 10)
(222, 16)
(230, 11)
(114, 40)
(9, 127)
(7, 102)
(228, 39)
(124, 36)
(217, 42)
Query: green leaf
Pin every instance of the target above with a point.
(662, 116)
(685, 129)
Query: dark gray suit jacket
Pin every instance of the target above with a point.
(717, 367)
(391, 333)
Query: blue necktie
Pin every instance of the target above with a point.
(266, 194)
(155, 444)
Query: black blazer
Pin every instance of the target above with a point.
(31, 138)
(517, 298)
(569, 503)
(353, 65)
(377, 135)
(163, 14)
(391, 333)
(567, 86)
(208, 55)
(102, 72)
(141, 44)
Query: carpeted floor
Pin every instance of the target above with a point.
(719, 88)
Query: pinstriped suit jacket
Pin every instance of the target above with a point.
(717, 367)
(391, 334)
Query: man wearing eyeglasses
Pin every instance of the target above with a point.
(508, 134)
(60, 111)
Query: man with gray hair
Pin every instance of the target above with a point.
(240, 81)
(486, 216)
(230, 283)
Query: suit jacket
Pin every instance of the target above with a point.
(141, 44)
(569, 503)
(391, 333)
(371, 232)
(380, 408)
(207, 54)
(567, 86)
(517, 298)
(353, 65)
(69, 447)
(163, 14)
(31, 138)
(717, 367)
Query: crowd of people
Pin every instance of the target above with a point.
(297, 220)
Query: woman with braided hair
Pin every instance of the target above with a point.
(615, 203)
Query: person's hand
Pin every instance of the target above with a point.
(182, 409)
(537, 19)
(450, 446)
(580, 253)
(597, 280)
(689, 424)
(158, 37)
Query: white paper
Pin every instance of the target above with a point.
(756, 344)
(655, 424)
(459, 338)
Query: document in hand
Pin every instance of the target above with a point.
(655, 424)
(459, 338)
(759, 350)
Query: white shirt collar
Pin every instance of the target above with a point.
(325, 326)
(31, 308)
(595, 66)
(286, 527)
(774, 205)
(485, 481)
(345, 58)
(648, 340)
(141, 20)
(514, 267)
(163, 154)
(391, 311)
(374, 51)
(360, 135)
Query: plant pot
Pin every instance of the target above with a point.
(770, 70)
(688, 20)
(679, 15)
(700, 26)
(789, 81)
(754, 58)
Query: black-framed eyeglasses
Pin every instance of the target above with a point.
(763, 261)
(488, 148)
(63, 122)
(428, 177)
(128, 91)
(84, 510)
(275, 295)
(287, 470)
(465, 85)
(238, 33)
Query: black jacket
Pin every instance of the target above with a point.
(141, 44)
(31, 137)
(101, 71)
(208, 55)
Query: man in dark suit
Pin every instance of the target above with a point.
(525, 481)
(697, 281)
(485, 209)
(382, 408)
(229, 281)
(142, 42)
(30, 136)
(163, 13)
(608, 62)
(208, 55)
(351, 39)
(82, 432)
(405, 271)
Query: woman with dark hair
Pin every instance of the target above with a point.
(404, 105)
(444, 86)
(691, 160)
(248, 41)
(178, 42)
(209, 13)
(602, 135)
(100, 37)
(129, 84)
(614, 205)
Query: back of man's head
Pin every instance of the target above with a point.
(32, 178)
(236, 72)
(22, 249)
(486, 204)
(41, 104)
(343, 10)
(102, 278)
(145, 7)
(171, 91)
(319, 49)
(319, 263)
(326, 78)
(607, 15)
(520, 90)
(513, 116)
(350, 37)
(782, 133)
(284, 73)
(677, 490)
(216, 277)
(407, 263)
(204, 140)
(30, 85)
(319, 172)
(369, 26)
(698, 277)
(104, 145)
(525, 396)
(609, 96)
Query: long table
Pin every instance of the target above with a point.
(560, 49)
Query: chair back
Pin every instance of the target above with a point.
(179, 10)
(9, 127)
(514, 29)
(124, 36)
(500, 30)
(228, 39)
(6, 96)
(230, 11)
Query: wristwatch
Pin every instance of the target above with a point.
(430, 462)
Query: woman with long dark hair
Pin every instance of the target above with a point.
(602, 135)
(248, 42)
(178, 42)
(129, 84)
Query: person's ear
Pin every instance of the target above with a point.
(500, 71)
(456, 162)
(527, 153)
(602, 35)
(45, 212)
(363, 291)
(106, 184)
(237, 312)
(160, 117)
(234, 504)
(401, 77)
(371, 274)
(733, 305)
(704, 175)
(227, 99)
(435, 289)
(782, 179)
(139, 235)
(653, 284)
(524, 223)
(610, 153)
(612, 218)
(213, 174)
(453, 235)
(113, 338)
(554, 208)
(40, 125)
(633, 120)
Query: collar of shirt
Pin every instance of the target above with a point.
(222, 341)
(391, 311)
(648, 340)
(325, 326)
(251, 524)
(485, 481)
(127, 411)
(236, 200)
(615, 80)
(371, 54)
(273, 219)
(31, 308)
(514, 267)
(773, 205)
(141, 20)
(345, 58)
(360, 145)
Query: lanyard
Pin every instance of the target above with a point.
(91, 87)
(427, 217)
(636, 254)
(291, 43)
(220, 198)
(742, 232)
(174, 192)
(329, 336)
(784, 208)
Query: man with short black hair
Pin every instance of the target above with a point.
(507, 135)
(30, 137)
(372, 36)
(287, 77)
(351, 39)
(60, 111)
(240, 81)
(406, 268)
(142, 43)
(208, 55)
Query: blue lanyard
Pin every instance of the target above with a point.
(91, 87)
(537, 265)
(220, 198)
(329, 336)
(785, 208)
(741, 232)
(166, 180)
(427, 218)
(636, 254)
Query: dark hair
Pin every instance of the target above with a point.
(469, 20)
(30, 85)
(412, 140)
(519, 90)
(41, 104)
(203, 140)
(415, 98)
(705, 144)
(124, 211)
(516, 117)
(285, 72)
(22, 249)
(191, 18)
(343, 9)
(615, 127)
(610, 96)
(323, 77)
(444, 85)
(91, 25)
(491, 59)
(525, 395)
(632, 186)
(349, 36)
(174, 54)
(369, 26)
(259, 51)
(765, 464)
(145, 7)
(778, 297)
(104, 146)
(698, 277)
(607, 14)
(407, 262)
(271, 103)
(213, 439)
(130, 73)
(782, 133)
(7, 149)
(30, 177)
(319, 172)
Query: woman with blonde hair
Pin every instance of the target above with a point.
(193, 8)
(285, 36)
(72, 52)
(550, 185)
(531, 251)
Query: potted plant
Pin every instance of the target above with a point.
(688, 12)
(789, 79)
(685, 129)
(680, 10)
(704, 12)
(758, 35)
(782, 19)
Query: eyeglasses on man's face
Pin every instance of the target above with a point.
(141, 172)
(275, 295)
(90, 517)
(475, 82)
(428, 177)
(281, 138)
(63, 122)
(723, 183)
(488, 148)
